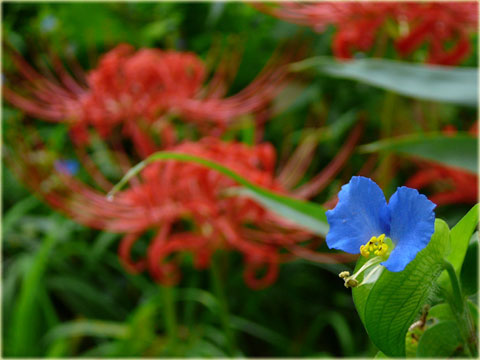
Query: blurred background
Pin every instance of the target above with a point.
(66, 291)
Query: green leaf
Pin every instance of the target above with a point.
(309, 215)
(459, 239)
(23, 336)
(392, 303)
(259, 331)
(95, 328)
(441, 340)
(459, 151)
(469, 273)
(17, 211)
(473, 311)
(441, 312)
(83, 293)
(439, 83)
(141, 327)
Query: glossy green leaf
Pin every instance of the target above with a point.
(459, 151)
(459, 239)
(441, 340)
(460, 236)
(439, 83)
(390, 305)
(309, 215)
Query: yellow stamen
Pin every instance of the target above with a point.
(364, 251)
(375, 245)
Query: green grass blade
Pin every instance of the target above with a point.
(307, 214)
(24, 339)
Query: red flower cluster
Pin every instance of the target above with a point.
(410, 24)
(451, 186)
(139, 90)
(188, 206)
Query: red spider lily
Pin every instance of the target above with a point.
(411, 24)
(188, 206)
(139, 90)
(450, 185)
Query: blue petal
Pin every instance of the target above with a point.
(69, 167)
(411, 227)
(361, 213)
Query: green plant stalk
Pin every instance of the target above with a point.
(386, 129)
(170, 315)
(190, 306)
(461, 311)
(222, 304)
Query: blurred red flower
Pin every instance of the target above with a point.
(187, 205)
(449, 185)
(360, 24)
(139, 90)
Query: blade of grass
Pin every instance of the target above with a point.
(24, 340)
(307, 214)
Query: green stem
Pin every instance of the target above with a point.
(190, 306)
(461, 311)
(386, 130)
(222, 304)
(170, 315)
(457, 292)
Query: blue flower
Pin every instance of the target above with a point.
(68, 167)
(362, 222)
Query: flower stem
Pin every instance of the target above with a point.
(170, 316)
(462, 312)
(386, 130)
(222, 304)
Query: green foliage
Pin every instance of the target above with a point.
(443, 84)
(469, 272)
(459, 151)
(460, 236)
(65, 292)
(459, 240)
(391, 303)
(440, 340)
